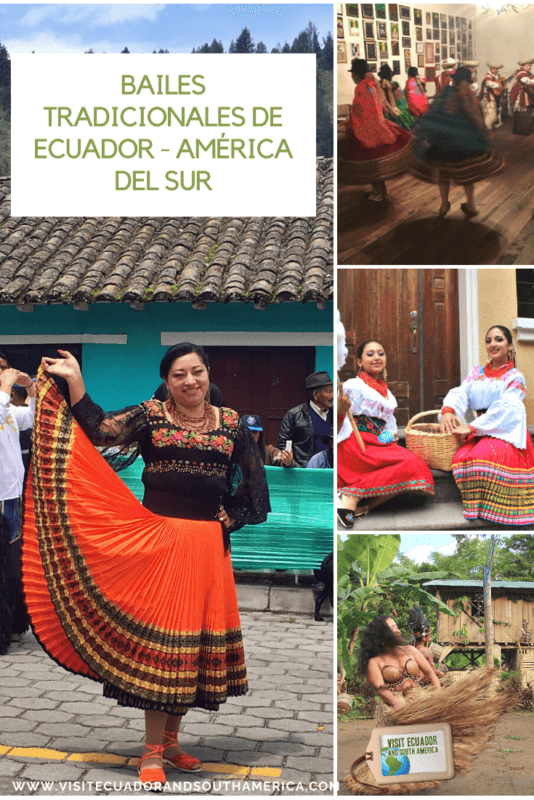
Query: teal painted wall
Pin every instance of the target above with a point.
(119, 375)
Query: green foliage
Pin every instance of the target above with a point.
(5, 80)
(5, 148)
(370, 584)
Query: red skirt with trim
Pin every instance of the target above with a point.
(143, 603)
(381, 470)
(496, 480)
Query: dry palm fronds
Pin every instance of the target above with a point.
(471, 706)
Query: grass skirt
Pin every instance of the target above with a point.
(143, 603)
(496, 480)
(471, 706)
(382, 470)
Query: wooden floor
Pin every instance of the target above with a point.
(406, 228)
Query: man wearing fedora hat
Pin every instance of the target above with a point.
(522, 98)
(490, 95)
(449, 68)
(304, 425)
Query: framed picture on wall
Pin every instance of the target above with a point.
(380, 10)
(354, 27)
(430, 74)
(420, 48)
(428, 18)
(393, 10)
(437, 51)
(443, 18)
(464, 53)
(370, 51)
(369, 30)
(341, 53)
(405, 28)
(420, 61)
(407, 65)
(435, 20)
(429, 52)
(464, 23)
(383, 50)
(352, 10)
(452, 52)
(372, 66)
(418, 34)
(381, 30)
(395, 30)
(354, 50)
(407, 55)
(428, 33)
(396, 67)
(340, 32)
(368, 11)
(417, 16)
(406, 41)
(451, 37)
(451, 22)
(443, 37)
(458, 22)
(395, 48)
(405, 12)
(464, 38)
(435, 33)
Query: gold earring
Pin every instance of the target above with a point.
(385, 374)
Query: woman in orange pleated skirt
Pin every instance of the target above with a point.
(142, 597)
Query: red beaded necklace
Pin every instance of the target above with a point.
(489, 372)
(379, 385)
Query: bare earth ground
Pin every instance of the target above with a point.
(504, 768)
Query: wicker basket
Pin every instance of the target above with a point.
(435, 448)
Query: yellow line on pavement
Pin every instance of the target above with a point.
(110, 758)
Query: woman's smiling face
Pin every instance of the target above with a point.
(188, 380)
(373, 359)
(497, 346)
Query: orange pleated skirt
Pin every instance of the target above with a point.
(142, 603)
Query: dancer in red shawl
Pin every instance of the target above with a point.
(522, 98)
(415, 93)
(374, 148)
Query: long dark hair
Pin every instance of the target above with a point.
(179, 350)
(375, 638)
(385, 72)
(509, 337)
(463, 74)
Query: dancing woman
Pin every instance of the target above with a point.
(404, 119)
(384, 469)
(415, 93)
(452, 145)
(374, 149)
(142, 597)
(494, 468)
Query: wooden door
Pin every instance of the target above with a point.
(262, 380)
(414, 314)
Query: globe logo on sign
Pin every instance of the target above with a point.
(394, 764)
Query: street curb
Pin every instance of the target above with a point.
(279, 599)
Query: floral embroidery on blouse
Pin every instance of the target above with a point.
(192, 440)
(188, 467)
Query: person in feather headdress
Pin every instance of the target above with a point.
(422, 636)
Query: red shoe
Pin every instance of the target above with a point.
(183, 761)
(149, 776)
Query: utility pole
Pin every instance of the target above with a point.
(488, 613)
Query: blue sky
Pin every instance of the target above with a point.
(144, 28)
(418, 546)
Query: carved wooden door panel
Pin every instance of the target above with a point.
(414, 314)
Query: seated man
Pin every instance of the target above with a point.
(304, 425)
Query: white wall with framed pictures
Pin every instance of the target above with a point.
(383, 30)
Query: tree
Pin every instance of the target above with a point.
(160, 51)
(5, 80)
(243, 44)
(325, 59)
(515, 560)
(261, 48)
(125, 50)
(307, 41)
(214, 47)
(5, 149)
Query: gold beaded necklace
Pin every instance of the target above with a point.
(206, 422)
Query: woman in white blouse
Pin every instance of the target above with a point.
(494, 468)
(384, 469)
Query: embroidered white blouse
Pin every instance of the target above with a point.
(368, 401)
(502, 396)
(12, 420)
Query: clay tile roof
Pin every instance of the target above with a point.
(84, 260)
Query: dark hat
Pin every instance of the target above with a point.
(325, 437)
(252, 421)
(318, 379)
(355, 65)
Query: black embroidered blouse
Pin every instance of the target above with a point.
(187, 474)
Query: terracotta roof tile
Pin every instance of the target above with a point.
(193, 259)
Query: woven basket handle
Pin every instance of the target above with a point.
(424, 414)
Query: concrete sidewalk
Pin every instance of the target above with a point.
(56, 727)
